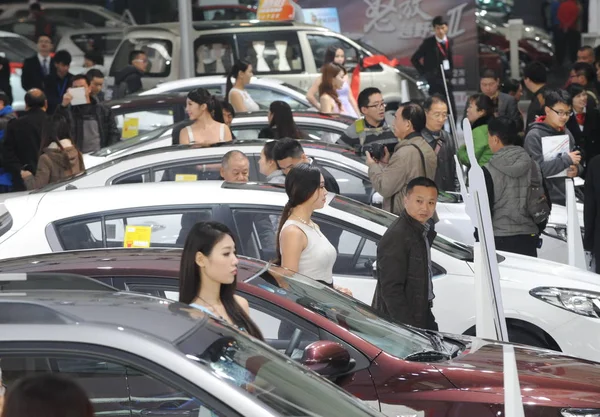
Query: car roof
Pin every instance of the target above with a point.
(134, 101)
(209, 79)
(6, 34)
(174, 27)
(107, 30)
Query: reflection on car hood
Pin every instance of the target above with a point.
(545, 376)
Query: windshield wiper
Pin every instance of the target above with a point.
(436, 340)
(427, 356)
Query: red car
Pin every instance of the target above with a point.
(390, 366)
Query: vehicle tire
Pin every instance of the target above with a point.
(522, 336)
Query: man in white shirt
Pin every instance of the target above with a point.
(37, 67)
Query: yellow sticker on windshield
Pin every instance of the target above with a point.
(186, 177)
(137, 237)
(130, 127)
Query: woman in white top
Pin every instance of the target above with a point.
(332, 80)
(201, 106)
(236, 93)
(335, 54)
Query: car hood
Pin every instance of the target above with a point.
(546, 377)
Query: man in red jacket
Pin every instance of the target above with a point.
(569, 18)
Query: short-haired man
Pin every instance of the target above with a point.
(509, 176)
(412, 158)
(235, 167)
(289, 153)
(95, 79)
(57, 84)
(586, 54)
(535, 76)
(375, 125)
(436, 112)
(557, 106)
(129, 79)
(404, 290)
(93, 125)
(39, 66)
(504, 104)
(585, 75)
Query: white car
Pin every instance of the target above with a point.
(262, 90)
(78, 42)
(546, 304)
(93, 14)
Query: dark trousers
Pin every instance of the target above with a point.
(431, 323)
(437, 87)
(521, 244)
(558, 37)
(573, 43)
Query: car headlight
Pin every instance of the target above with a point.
(584, 303)
(580, 412)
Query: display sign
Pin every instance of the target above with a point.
(275, 10)
(130, 127)
(323, 16)
(186, 177)
(137, 236)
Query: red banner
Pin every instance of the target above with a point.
(367, 62)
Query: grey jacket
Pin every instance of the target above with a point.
(511, 172)
(533, 146)
(445, 175)
(508, 106)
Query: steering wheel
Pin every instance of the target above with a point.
(294, 342)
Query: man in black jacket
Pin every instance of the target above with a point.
(56, 84)
(129, 79)
(39, 66)
(93, 125)
(21, 146)
(435, 51)
(404, 291)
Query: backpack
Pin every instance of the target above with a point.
(538, 200)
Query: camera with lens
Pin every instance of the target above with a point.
(377, 148)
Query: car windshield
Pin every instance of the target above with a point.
(383, 218)
(269, 377)
(135, 141)
(347, 312)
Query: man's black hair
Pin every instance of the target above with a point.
(95, 56)
(505, 129)
(510, 86)
(585, 69)
(438, 21)
(93, 73)
(553, 97)
(421, 182)
(287, 148)
(134, 54)
(436, 98)
(4, 98)
(415, 114)
(62, 57)
(35, 7)
(489, 73)
(536, 72)
(81, 77)
(42, 35)
(365, 95)
(35, 100)
(575, 89)
(228, 107)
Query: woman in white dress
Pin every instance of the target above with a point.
(332, 80)
(236, 93)
(204, 131)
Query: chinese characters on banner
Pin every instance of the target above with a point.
(275, 10)
(398, 27)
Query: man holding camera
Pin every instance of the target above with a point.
(413, 157)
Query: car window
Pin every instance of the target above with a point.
(91, 17)
(271, 52)
(146, 120)
(26, 28)
(320, 43)
(15, 49)
(312, 132)
(197, 170)
(139, 176)
(215, 90)
(214, 54)
(225, 13)
(85, 234)
(106, 43)
(113, 388)
(264, 96)
(158, 51)
(257, 230)
(351, 185)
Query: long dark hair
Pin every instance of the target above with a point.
(213, 104)
(330, 53)
(300, 184)
(329, 72)
(55, 128)
(202, 238)
(239, 66)
(283, 121)
(47, 395)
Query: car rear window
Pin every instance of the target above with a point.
(106, 43)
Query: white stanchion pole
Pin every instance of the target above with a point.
(574, 240)
(513, 402)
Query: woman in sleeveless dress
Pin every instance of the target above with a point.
(332, 79)
(335, 54)
(236, 93)
(301, 246)
(204, 131)
(207, 276)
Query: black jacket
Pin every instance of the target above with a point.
(107, 126)
(536, 107)
(591, 210)
(402, 291)
(21, 146)
(55, 89)
(588, 139)
(432, 58)
(128, 81)
(5, 78)
(32, 75)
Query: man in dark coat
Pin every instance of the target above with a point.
(435, 51)
(56, 84)
(129, 79)
(404, 291)
(5, 80)
(39, 66)
(21, 146)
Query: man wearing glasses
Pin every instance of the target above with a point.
(129, 79)
(557, 107)
(375, 125)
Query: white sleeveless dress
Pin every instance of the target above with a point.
(190, 133)
(317, 259)
(250, 104)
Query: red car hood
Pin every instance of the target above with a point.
(546, 377)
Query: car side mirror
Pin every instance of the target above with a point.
(327, 358)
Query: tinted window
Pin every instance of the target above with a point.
(256, 232)
(136, 177)
(105, 43)
(351, 185)
(147, 120)
(264, 96)
(214, 54)
(271, 52)
(320, 43)
(15, 49)
(198, 170)
(158, 51)
(80, 234)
